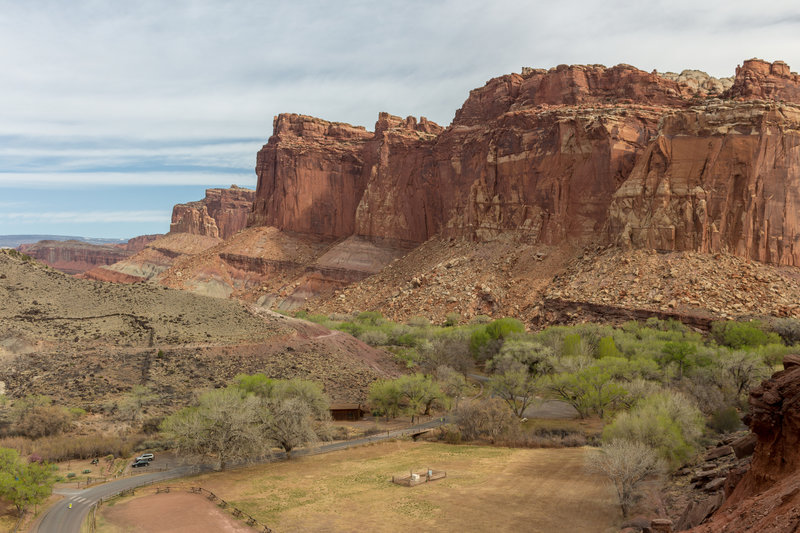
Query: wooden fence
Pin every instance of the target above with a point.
(417, 478)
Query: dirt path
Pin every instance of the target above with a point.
(175, 512)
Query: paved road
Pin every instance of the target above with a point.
(61, 519)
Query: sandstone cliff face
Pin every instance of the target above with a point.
(222, 213)
(722, 177)
(310, 176)
(571, 154)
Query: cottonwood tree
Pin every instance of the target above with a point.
(452, 383)
(35, 416)
(488, 418)
(419, 393)
(24, 483)
(626, 464)
(589, 390)
(288, 423)
(515, 387)
(225, 425)
(385, 397)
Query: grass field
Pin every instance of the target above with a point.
(486, 489)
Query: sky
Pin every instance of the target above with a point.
(111, 112)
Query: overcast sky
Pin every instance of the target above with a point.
(112, 111)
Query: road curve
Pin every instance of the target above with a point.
(61, 519)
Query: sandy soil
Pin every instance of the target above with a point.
(173, 512)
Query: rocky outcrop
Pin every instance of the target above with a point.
(137, 244)
(222, 213)
(762, 80)
(571, 154)
(699, 82)
(767, 497)
(74, 257)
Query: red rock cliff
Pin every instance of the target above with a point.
(74, 257)
(572, 153)
(767, 498)
(222, 213)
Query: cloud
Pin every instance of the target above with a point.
(94, 217)
(149, 179)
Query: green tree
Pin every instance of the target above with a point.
(385, 397)
(418, 394)
(668, 422)
(452, 383)
(24, 483)
(589, 390)
(607, 348)
(515, 387)
(679, 353)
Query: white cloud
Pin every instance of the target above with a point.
(150, 179)
(95, 217)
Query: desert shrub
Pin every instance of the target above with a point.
(351, 327)
(301, 314)
(35, 417)
(571, 345)
(340, 317)
(450, 434)
(480, 319)
(64, 447)
(738, 335)
(488, 419)
(452, 319)
(725, 420)
(419, 322)
(374, 337)
(151, 424)
(788, 329)
(318, 319)
(372, 318)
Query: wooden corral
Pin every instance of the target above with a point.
(412, 479)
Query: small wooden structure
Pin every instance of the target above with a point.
(347, 411)
(417, 478)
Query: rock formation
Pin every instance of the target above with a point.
(74, 257)
(221, 213)
(767, 497)
(575, 153)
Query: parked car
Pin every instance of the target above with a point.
(145, 457)
(137, 464)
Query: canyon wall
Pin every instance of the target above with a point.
(222, 213)
(573, 154)
(74, 257)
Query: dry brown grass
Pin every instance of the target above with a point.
(486, 489)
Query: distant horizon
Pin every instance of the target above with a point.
(113, 114)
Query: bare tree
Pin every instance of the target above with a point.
(627, 464)
(224, 425)
(288, 423)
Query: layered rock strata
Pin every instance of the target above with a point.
(74, 257)
(571, 154)
(222, 213)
